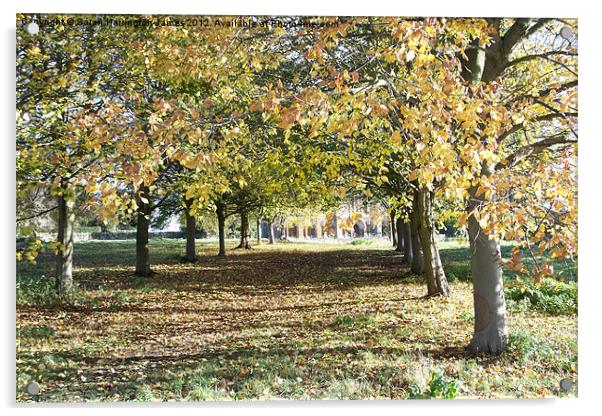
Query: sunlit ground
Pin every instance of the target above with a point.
(289, 321)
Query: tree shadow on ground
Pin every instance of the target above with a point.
(319, 314)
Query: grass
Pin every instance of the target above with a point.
(290, 321)
(550, 296)
(553, 296)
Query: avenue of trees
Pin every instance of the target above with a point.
(465, 120)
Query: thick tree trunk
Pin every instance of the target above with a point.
(393, 229)
(142, 225)
(433, 269)
(318, 229)
(190, 233)
(221, 228)
(407, 241)
(271, 236)
(244, 231)
(399, 229)
(417, 258)
(64, 259)
(488, 287)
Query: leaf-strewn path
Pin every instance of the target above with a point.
(285, 321)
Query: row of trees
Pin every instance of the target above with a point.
(473, 120)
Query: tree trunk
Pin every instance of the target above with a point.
(271, 228)
(417, 258)
(244, 231)
(433, 269)
(221, 225)
(190, 233)
(64, 259)
(142, 226)
(318, 229)
(393, 229)
(407, 241)
(258, 225)
(399, 229)
(488, 287)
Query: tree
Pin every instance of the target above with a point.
(457, 137)
(493, 63)
(417, 256)
(190, 232)
(67, 107)
(362, 133)
(467, 119)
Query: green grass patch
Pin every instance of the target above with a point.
(550, 296)
(361, 242)
(458, 272)
(440, 386)
(354, 322)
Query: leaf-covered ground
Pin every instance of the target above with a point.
(290, 321)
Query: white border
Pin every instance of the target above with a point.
(590, 188)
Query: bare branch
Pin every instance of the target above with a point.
(546, 117)
(533, 149)
(544, 55)
(38, 214)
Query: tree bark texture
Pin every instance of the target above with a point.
(221, 226)
(64, 259)
(142, 227)
(190, 233)
(436, 281)
(417, 257)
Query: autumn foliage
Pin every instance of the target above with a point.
(463, 121)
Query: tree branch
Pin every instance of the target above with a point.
(521, 126)
(39, 214)
(533, 149)
(544, 55)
